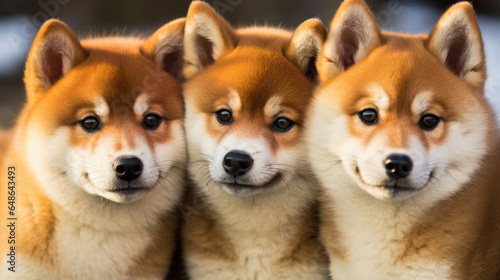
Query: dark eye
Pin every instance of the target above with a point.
(224, 116)
(151, 121)
(429, 122)
(282, 125)
(368, 116)
(90, 124)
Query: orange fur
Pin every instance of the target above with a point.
(4, 142)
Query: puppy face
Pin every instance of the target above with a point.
(246, 97)
(244, 121)
(104, 115)
(401, 124)
(111, 126)
(405, 115)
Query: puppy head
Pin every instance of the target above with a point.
(408, 118)
(103, 117)
(246, 98)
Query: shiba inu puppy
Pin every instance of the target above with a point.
(252, 212)
(407, 150)
(98, 154)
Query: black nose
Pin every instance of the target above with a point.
(237, 163)
(398, 166)
(128, 169)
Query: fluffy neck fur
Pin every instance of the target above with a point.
(268, 236)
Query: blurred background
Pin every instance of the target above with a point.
(20, 20)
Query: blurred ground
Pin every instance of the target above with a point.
(20, 20)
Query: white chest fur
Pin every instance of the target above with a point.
(372, 231)
(99, 239)
(85, 251)
(261, 229)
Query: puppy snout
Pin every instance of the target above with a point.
(128, 168)
(237, 163)
(398, 166)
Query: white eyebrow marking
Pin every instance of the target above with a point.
(141, 105)
(234, 100)
(101, 108)
(273, 106)
(421, 103)
(380, 97)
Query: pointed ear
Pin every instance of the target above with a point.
(164, 47)
(305, 46)
(353, 33)
(207, 37)
(456, 41)
(55, 51)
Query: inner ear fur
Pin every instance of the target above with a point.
(165, 47)
(457, 42)
(54, 52)
(305, 46)
(207, 38)
(353, 33)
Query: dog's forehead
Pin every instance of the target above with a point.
(132, 83)
(110, 90)
(270, 89)
(247, 81)
(406, 77)
(398, 73)
(407, 83)
(416, 103)
(270, 107)
(116, 73)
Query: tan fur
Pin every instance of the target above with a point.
(463, 229)
(329, 233)
(305, 248)
(154, 260)
(202, 234)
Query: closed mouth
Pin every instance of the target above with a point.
(269, 184)
(126, 191)
(393, 187)
(129, 190)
